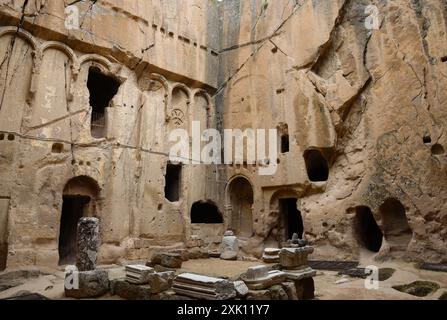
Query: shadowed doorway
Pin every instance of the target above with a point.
(291, 219)
(79, 200)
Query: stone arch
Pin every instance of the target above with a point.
(240, 199)
(179, 106)
(396, 229)
(16, 75)
(284, 207)
(21, 33)
(80, 199)
(202, 110)
(101, 62)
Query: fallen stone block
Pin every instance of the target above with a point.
(241, 289)
(161, 281)
(86, 284)
(138, 274)
(203, 287)
(130, 291)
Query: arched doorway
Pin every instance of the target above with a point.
(286, 216)
(396, 229)
(79, 200)
(241, 199)
(366, 230)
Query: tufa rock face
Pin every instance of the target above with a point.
(359, 107)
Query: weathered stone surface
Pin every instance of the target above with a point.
(261, 277)
(259, 295)
(168, 260)
(278, 293)
(88, 244)
(230, 247)
(241, 289)
(203, 287)
(161, 281)
(130, 291)
(92, 284)
(294, 258)
(290, 289)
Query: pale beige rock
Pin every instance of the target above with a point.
(363, 110)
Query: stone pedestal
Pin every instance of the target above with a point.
(88, 243)
(294, 258)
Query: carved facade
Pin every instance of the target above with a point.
(361, 167)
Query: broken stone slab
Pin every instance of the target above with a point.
(300, 274)
(261, 277)
(138, 274)
(295, 258)
(130, 291)
(86, 284)
(241, 289)
(161, 281)
(88, 243)
(203, 287)
(214, 254)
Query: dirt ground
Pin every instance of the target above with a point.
(329, 285)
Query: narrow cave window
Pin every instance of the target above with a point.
(102, 89)
(206, 213)
(366, 229)
(57, 148)
(173, 182)
(316, 165)
(285, 143)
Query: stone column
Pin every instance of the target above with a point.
(88, 243)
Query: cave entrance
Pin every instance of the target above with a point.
(241, 198)
(205, 213)
(79, 200)
(73, 208)
(317, 166)
(291, 220)
(102, 89)
(397, 231)
(367, 231)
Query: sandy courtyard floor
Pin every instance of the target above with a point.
(329, 285)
